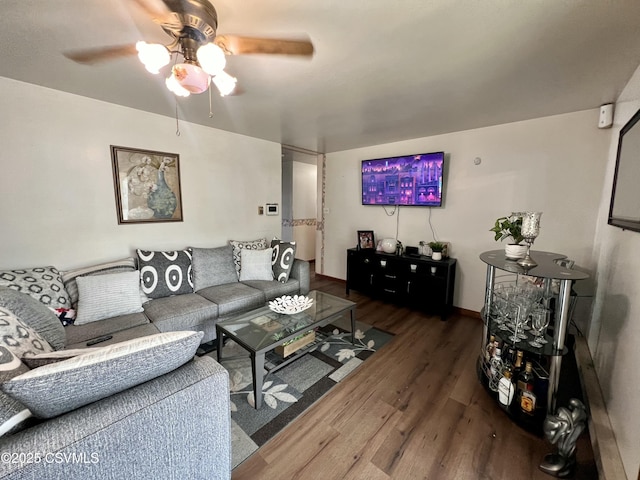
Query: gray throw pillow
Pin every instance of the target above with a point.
(42, 283)
(60, 387)
(284, 254)
(19, 337)
(12, 413)
(106, 296)
(239, 245)
(35, 314)
(165, 273)
(213, 266)
(256, 265)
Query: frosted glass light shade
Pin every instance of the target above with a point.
(174, 87)
(153, 56)
(211, 58)
(191, 77)
(225, 83)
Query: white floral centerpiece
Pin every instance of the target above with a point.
(289, 305)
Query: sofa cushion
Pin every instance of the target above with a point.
(109, 295)
(181, 312)
(273, 289)
(165, 273)
(19, 337)
(213, 266)
(43, 283)
(12, 413)
(54, 389)
(35, 314)
(69, 277)
(233, 297)
(256, 265)
(239, 245)
(284, 254)
(82, 333)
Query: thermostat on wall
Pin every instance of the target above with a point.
(272, 208)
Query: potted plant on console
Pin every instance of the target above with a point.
(510, 227)
(436, 250)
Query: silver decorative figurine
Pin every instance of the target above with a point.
(530, 230)
(563, 430)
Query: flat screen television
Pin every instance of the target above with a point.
(414, 180)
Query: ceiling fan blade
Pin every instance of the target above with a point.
(91, 56)
(239, 45)
(158, 11)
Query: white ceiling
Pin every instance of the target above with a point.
(382, 71)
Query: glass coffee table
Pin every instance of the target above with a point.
(260, 331)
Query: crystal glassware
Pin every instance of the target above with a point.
(539, 322)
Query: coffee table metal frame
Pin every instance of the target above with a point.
(225, 329)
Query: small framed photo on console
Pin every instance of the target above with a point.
(365, 240)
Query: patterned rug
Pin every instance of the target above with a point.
(290, 391)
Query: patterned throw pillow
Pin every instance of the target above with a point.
(42, 283)
(165, 273)
(239, 245)
(12, 413)
(19, 337)
(284, 253)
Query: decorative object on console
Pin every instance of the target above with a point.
(365, 240)
(165, 273)
(389, 245)
(412, 251)
(290, 305)
(436, 250)
(563, 430)
(510, 227)
(147, 185)
(530, 231)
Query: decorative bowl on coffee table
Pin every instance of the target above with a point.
(289, 305)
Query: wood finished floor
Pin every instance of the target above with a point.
(415, 410)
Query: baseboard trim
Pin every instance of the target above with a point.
(467, 313)
(603, 440)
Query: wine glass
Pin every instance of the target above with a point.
(539, 322)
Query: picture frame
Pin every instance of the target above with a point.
(366, 240)
(147, 185)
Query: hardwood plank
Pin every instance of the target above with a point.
(415, 409)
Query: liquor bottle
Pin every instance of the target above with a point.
(507, 361)
(526, 384)
(505, 389)
(517, 366)
(489, 350)
(495, 370)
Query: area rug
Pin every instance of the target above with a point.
(290, 391)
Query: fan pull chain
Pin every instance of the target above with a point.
(210, 108)
(177, 123)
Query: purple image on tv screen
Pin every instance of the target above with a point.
(409, 180)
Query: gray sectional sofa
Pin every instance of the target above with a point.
(176, 425)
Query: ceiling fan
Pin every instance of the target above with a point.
(192, 25)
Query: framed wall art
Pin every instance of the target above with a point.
(365, 240)
(147, 185)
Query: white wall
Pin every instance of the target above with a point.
(554, 165)
(57, 195)
(615, 330)
(305, 197)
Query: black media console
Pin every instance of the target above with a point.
(419, 281)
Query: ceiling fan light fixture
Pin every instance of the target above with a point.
(211, 58)
(153, 56)
(174, 87)
(225, 83)
(190, 77)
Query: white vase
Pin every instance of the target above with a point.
(436, 256)
(514, 251)
(389, 245)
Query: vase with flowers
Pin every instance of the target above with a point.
(510, 227)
